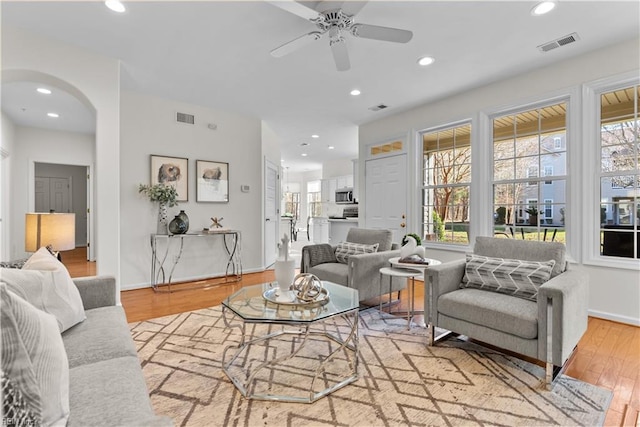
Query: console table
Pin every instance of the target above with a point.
(232, 245)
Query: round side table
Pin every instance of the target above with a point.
(407, 271)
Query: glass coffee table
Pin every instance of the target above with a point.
(291, 351)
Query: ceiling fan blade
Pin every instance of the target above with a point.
(296, 8)
(376, 32)
(295, 44)
(340, 54)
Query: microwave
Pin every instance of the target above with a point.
(345, 196)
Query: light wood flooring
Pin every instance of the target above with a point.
(608, 355)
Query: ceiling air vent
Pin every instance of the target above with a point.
(185, 118)
(378, 107)
(559, 42)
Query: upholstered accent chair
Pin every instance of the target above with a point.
(359, 270)
(513, 294)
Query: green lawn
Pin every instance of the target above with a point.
(458, 233)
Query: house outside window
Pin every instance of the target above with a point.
(619, 173)
(525, 143)
(446, 173)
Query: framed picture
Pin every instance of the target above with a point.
(212, 181)
(172, 171)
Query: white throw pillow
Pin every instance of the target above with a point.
(345, 249)
(34, 359)
(45, 282)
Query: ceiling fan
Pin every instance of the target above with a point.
(335, 21)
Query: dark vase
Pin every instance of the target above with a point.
(177, 226)
(185, 219)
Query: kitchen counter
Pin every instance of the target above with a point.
(343, 220)
(338, 229)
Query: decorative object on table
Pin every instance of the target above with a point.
(284, 267)
(57, 230)
(414, 235)
(166, 196)
(216, 223)
(307, 287)
(177, 226)
(171, 172)
(185, 218)
(411, 248)
(212, 181)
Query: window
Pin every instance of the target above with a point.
(314, 198)
(446, 172)
(620, 173)
(524, 143)
(292, 204)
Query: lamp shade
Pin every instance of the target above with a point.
(55, 229)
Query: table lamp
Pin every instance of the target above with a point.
(55, 229)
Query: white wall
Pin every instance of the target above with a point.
(7, 139)
(336, 168)
(78, 176)
(148, 127)
(615, 293)
(40, 145)
(96, 81)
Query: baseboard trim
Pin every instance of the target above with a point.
(614, 317)
(132, 286)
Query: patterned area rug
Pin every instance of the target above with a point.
(402, 381)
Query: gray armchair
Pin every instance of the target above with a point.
(547, 328)
(361, 271)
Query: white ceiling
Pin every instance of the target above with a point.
(216, 54)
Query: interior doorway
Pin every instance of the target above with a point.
(64, 188)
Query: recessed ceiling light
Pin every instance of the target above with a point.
(331, 147)
(55, 115)
(355, 92)
(304, 154)
(543, 7)
(315, 136)
(44, 90)
(115, 5)
(425, 60)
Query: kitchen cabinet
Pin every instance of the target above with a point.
(320, 229)
(328, 190)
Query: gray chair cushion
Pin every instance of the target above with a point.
(332, 272)
(103, 335)
(366, 236)
(504, 313)
(109, 393)
(523, 249)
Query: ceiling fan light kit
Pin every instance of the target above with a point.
(336, 22)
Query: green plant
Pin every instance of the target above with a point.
(160, 193)
(414, 235)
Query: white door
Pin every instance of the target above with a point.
(270, 213)
(386, 194)
(52, 194)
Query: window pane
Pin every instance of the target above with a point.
(446, 170)
(532, 205)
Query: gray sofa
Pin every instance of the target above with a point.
(106, 386)
(362, 271)
(547, 328)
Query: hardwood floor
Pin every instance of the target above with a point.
(608, 355)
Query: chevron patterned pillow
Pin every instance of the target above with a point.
(345, 249)
(508, 276)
